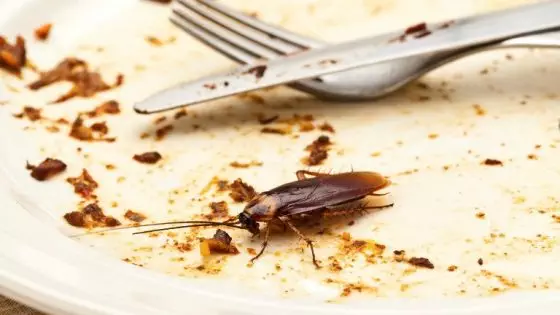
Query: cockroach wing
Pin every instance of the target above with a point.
(324, 191)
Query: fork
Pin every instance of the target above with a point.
(247, 40)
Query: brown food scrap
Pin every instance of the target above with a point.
(13, 57)
(43, 31)
(93, 133)
(532, 157)
(236, 164)
(277, 130)
(479, 110)
(100, 127)
(163, 131)
(90, 216)
(258, 71)
(420, 27)
(154, 41)
(492, 162)
(241, 192)
(219, 209)
(451, 268)
(33, 114)
(47, 169)
(422, 34)
(210, 86)
(84, 185)
(263, 120)
(326, 127)
(110, 107)
(219, 243)
(433, 136)
(85, 83)
(305, 126)
(480, 261)
(134, 216)
(481, 215)
(251, 251)
(180, 113)
(317, 151)
(421, 262)
(148, 157)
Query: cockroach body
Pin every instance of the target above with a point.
(323, 193)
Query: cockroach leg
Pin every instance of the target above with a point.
(307, 240)
(264, 244)
(301, 174)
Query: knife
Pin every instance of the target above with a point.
(465, 32)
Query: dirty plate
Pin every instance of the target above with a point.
(471, 150)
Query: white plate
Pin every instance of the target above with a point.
(435, 208)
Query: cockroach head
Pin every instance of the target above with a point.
(248, 223)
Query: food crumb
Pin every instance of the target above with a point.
(421, 262)
(148, 157)
(219, 210)
(47, 169)
(480, 261)
(276, 130)
(326, 127)
(13, 57)
(451, 268)
(263, 120)
(433, 136)
(493, 162)
(134, 216)
(219, 243)
(84, 185)
(33, 114)
(532, 157)
(481, 215)
(240, 191)
(251, 251)
(163, 131)
(42, 32)
(318, 151)
(236, 164)
(479, 110)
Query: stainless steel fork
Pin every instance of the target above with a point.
(247, 40)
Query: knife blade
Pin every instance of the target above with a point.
(465, 32)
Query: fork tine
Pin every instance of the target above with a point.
(222, 46)
(257, 36)
(273, 31)
(210, 27)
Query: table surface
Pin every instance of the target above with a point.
(11, 307)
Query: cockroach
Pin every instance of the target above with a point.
(324, 193)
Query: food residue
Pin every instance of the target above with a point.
(163, 131)
(492, 162)
(76, 71)
(220, 243)
(277, 130)
(109, 107)
(84, 185)
(220, 209)
(43, 31)
(89, 217)
(236, 164)
(326, 127)
(318, 151)
(134, 216)
(240, 191)
(421, 262)
(13, 57)
(33, 114)
(258, 71)
(47, 169)
(264, 120)
(95, 132)
(148, 157)
(479, 110)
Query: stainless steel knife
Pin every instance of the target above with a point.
(463, 33)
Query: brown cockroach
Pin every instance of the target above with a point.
(318, 194)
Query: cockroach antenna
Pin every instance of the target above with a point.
(230, 223)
